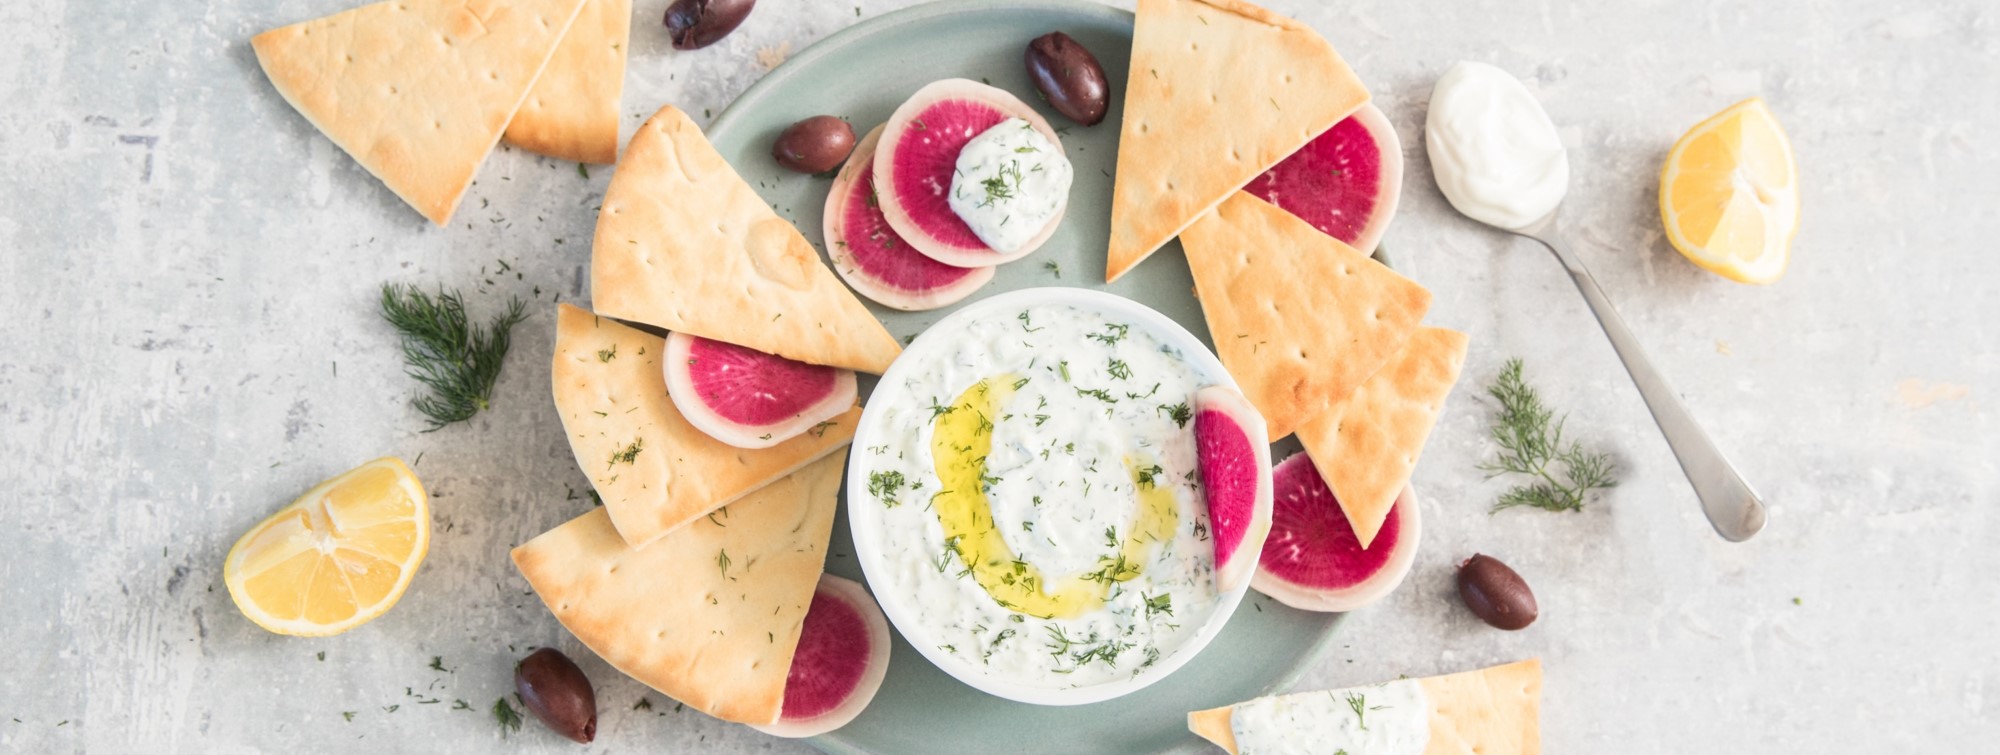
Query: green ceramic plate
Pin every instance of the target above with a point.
(863, 73)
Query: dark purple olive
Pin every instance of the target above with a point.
(558, 693)
(1495, 593)
(814, 145)
(1068, 77)
(694, 24)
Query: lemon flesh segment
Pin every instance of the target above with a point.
(1729, 194)
(337, 557)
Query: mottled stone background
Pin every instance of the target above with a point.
(188, 273)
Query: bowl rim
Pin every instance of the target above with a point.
(864, 522)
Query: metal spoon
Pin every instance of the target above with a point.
(1732, 506)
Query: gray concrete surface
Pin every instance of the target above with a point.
(187, 274)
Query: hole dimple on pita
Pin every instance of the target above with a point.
(1288, 78)
(394, 90)
(1143, 128)
(494, 75)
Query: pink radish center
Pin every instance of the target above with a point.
(1311, 543)
(879, 253)
(1229, 477)
(925, 157)
(1332, 182)
(831, 658)
(750, 387)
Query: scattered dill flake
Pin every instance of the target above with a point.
(1119, 369)
(883, 485)
(1180, 413)
(819, 430)
(583, 171)
(437, 664)
(1026, 324)
(456, 359)
(1798, 602)
(1531, 443)
(509, 719)
(1161, 603)
(722, 561)
(321, 655)
(606, 355)
(627, 454)
(1148, 475)
(1053, 267)
(1113, 333)
(595, 499)
(1099, 394)
(460, 705)
(347, 714)
(643, 704)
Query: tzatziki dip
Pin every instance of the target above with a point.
(1384, 719)
(1009, 183)
(1038, 519)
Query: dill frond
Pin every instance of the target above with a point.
(1531, 443)
(456, 359)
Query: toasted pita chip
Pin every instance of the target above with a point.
(572, 113)
(1492, 710)
(710, 614)
(417, 91)
(1367, 446)
(653, 469)
(683, 243)
(1219, 91)
(1299, 318)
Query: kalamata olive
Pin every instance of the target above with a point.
(1068, 77)
(694, 24)
(1495, 593)
(814, 145)
(558, 693)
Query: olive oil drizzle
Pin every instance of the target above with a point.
(960, 441)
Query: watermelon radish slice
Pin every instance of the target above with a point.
(917, 155)
(1235, 478)
(747, 398)
(1345, 181)
(876, 261)
(1313, 561)
(842, 655)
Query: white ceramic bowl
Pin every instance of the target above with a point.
(866, 525)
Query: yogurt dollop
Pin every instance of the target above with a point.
(1493, 150)
(1009, 183)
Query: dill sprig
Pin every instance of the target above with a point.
(457, 360)
(1531, 443)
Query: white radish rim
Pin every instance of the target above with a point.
(680, 390)
(1374, 588)
(1251, 547)
(843, 258)
(892, 206)
(1389, 191)
(865, 688)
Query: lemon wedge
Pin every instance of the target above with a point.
(340, 555)
(1729, 194)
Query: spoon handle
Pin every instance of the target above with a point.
(1736, 511)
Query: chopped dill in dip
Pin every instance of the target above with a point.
(1009, 183)
(1039, 507)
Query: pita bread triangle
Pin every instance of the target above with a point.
(654, 470)
(1219, 91)
(572, 112)
(1491, 710)
(417, 91)
(683, 243)
(710, 614)
(1367, 446)
(1299, 318)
